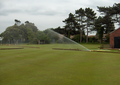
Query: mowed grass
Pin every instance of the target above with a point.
(45, 66)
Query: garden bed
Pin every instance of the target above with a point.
(67, 49)
(10, 48)
(28, 47)
(105, 51)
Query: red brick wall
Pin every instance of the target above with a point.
(115, 33)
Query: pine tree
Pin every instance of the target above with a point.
(80, 17)
(70, 24)
(90, 17)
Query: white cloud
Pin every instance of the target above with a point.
(44, 13)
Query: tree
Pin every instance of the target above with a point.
(98, 23)
(70, 24)
(113, 12)
(103, 25)
(23, 32)
(17, 22)
(90, 17)
(27, 22)
(109, 25)
(100, 33)
(107, 19)
(116, 13)
(20, 32)
(31, 26)
(59, 30)
(53, 36)
(11, 34)
(30, 34)
(80, 17)
(40, 36)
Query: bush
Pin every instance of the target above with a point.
(92, 39)
(107, 38)
(77, 38)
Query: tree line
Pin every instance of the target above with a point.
(75, 24)
(24, 33)
(86, 19)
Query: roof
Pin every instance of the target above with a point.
(91, 35)
(114, 30)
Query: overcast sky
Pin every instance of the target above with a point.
(44, 13)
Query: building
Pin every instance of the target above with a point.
(115, 39)
(104, 37)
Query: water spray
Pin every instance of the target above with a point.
(72, 45)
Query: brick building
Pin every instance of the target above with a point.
(115, 39)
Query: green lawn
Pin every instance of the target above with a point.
(45, 66)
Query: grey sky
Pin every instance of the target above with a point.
(43, 13)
